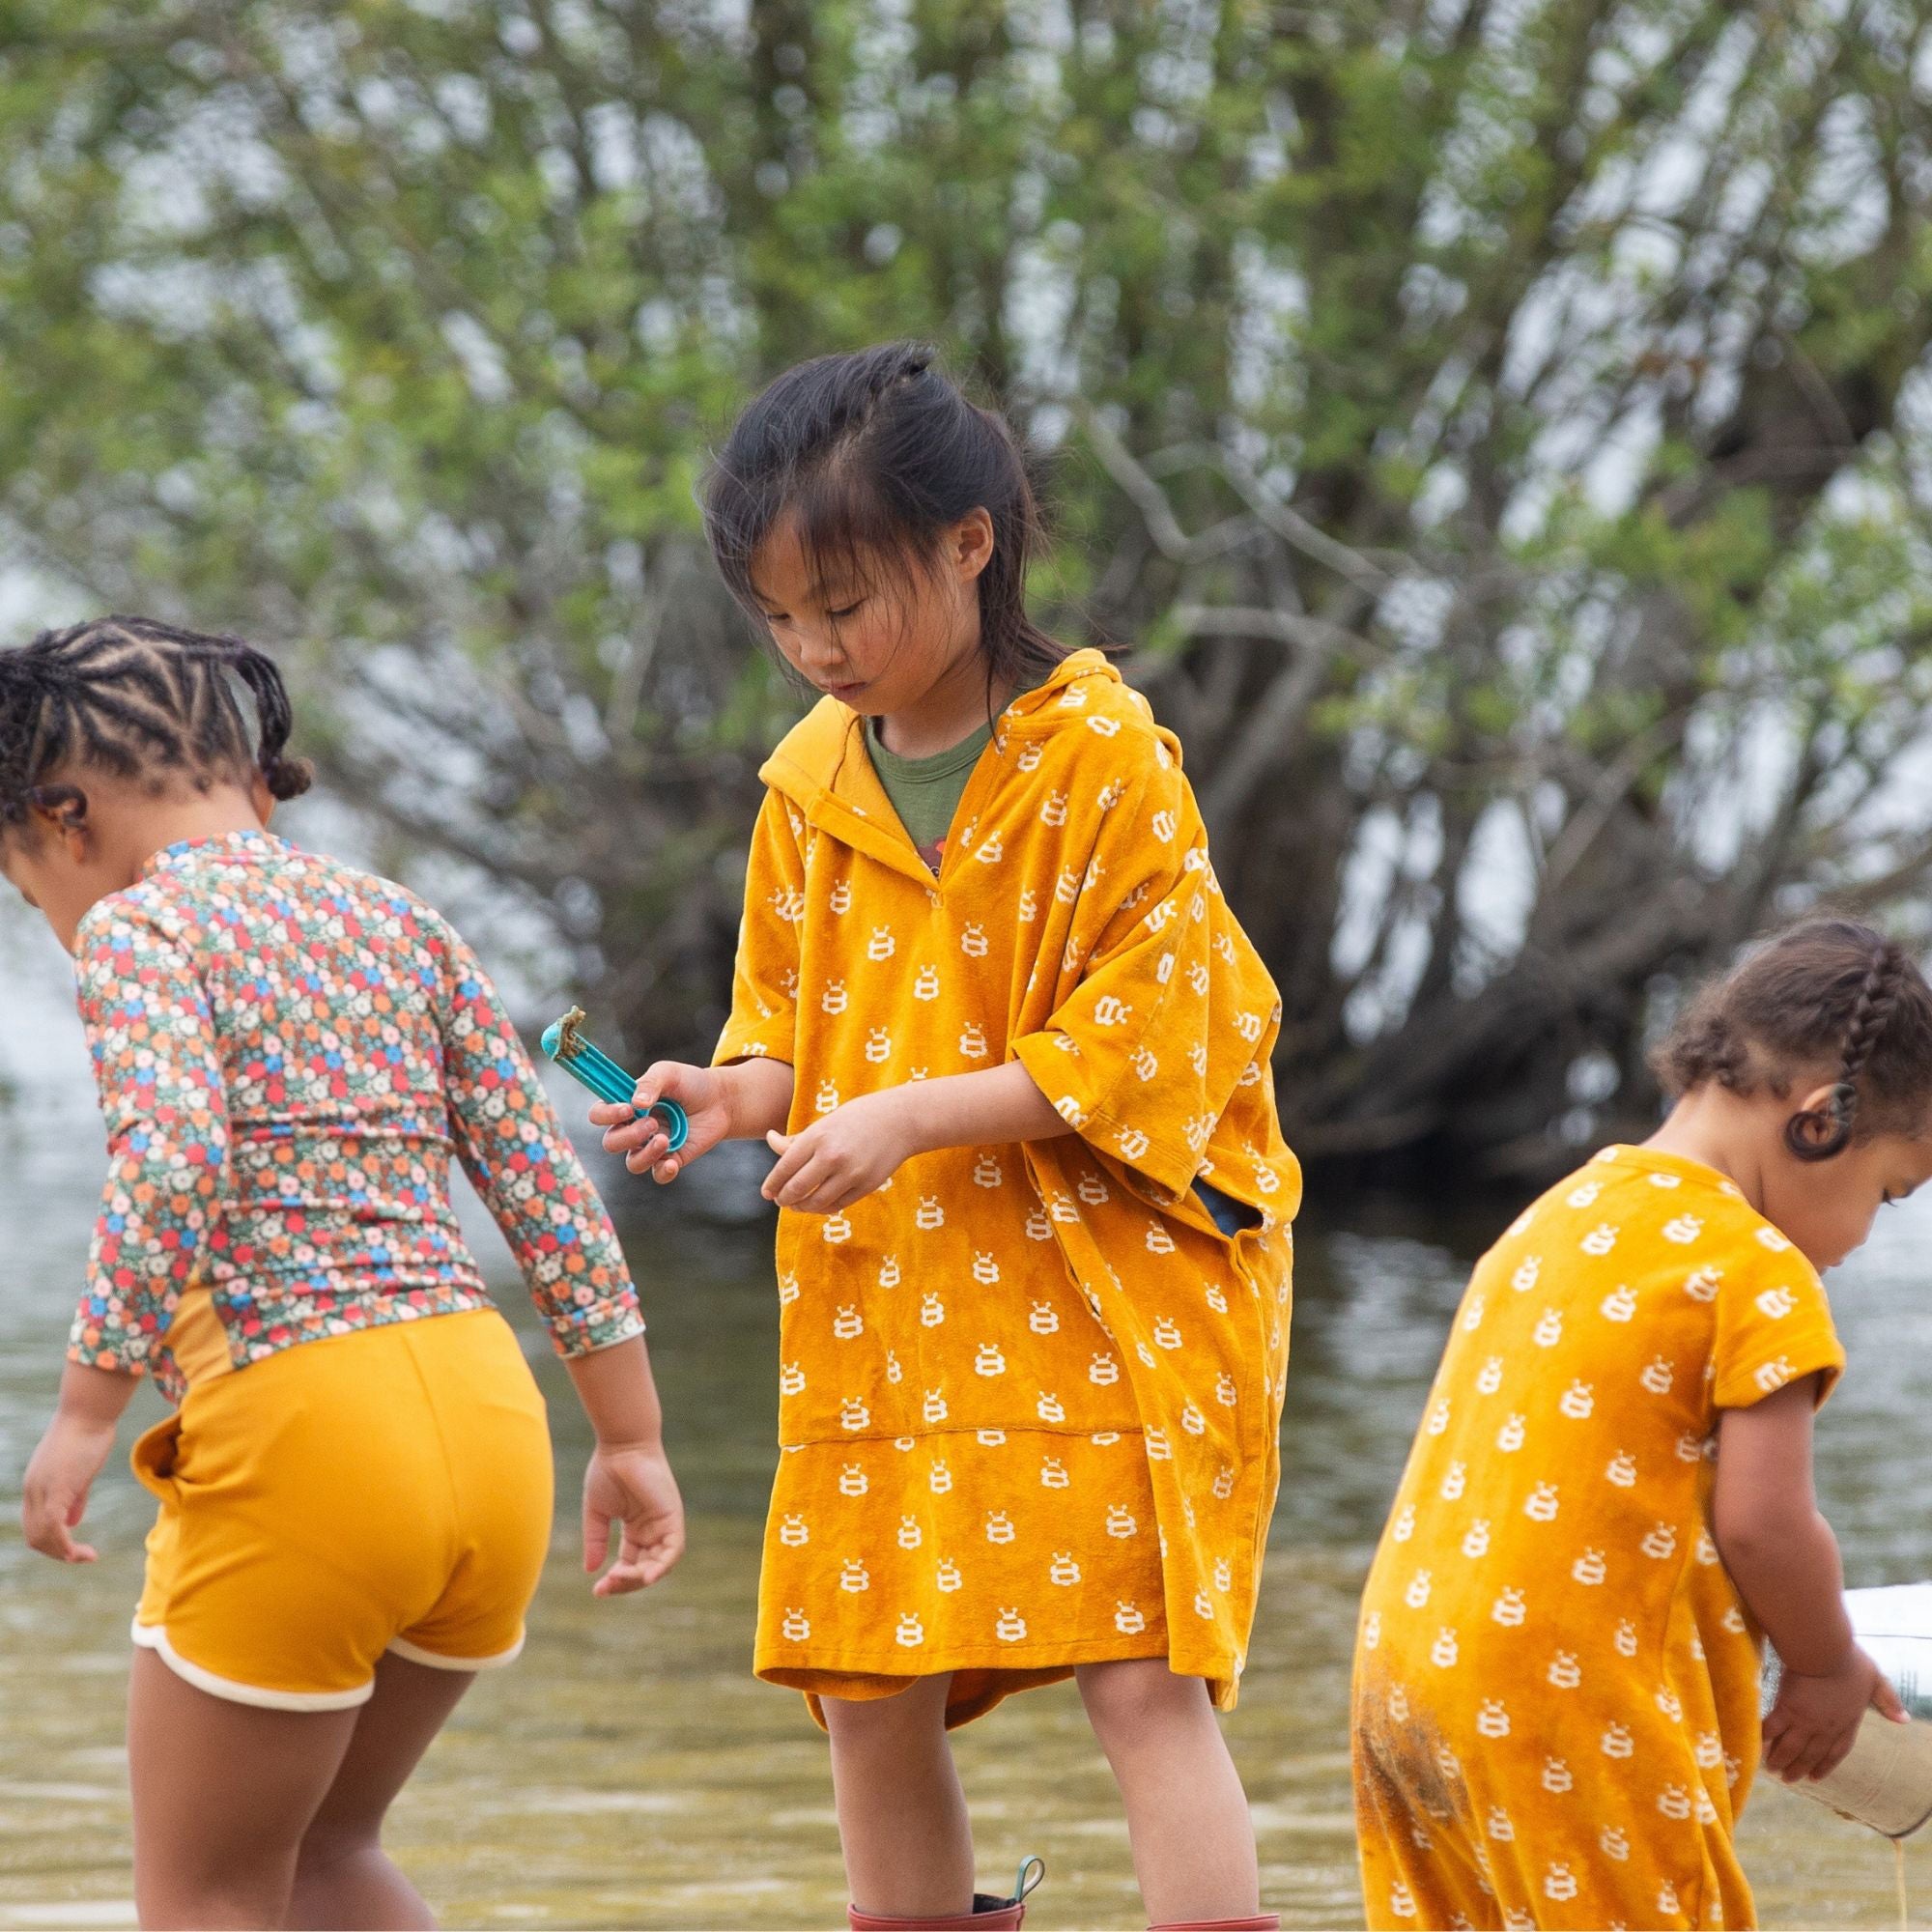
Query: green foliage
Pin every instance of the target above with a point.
(1491, 417)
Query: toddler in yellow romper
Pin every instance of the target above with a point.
(1556, 1679)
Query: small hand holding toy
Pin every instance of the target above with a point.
(597, 1071)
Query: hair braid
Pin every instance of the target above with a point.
(285, 777)
(1819, 1132)
(129, 695)
(1828, 999)
(38, 726)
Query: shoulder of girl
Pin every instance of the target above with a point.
(1782, 1255)
(130, 910)
(1110, 731)
(1762, 1262)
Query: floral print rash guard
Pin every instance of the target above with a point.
(288, 1052)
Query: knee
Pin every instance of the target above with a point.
(886, 1724)
(234, 1890)
(329, 1843)
(1128, 1700)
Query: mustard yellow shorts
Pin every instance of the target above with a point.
(389, 1489)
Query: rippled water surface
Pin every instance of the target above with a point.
(630, 1772)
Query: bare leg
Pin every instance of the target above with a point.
(223, 1793)
(902, 1813)
(1187, 1815)
(344, 1879)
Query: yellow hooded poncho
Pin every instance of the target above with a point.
(1029, 1395)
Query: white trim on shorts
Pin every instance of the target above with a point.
(155, 1638)
(414, 1653)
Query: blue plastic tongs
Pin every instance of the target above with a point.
(605, 1078)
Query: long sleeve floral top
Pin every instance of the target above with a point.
(288, 1052)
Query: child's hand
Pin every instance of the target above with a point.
(59, 1475)
(635, 1488)
(844, 1155)
(1815, 1720)
(632, 1131)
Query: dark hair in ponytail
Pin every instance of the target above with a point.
(875, 454)
(1827, 993)
(134, 697)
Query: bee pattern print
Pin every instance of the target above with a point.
(1547, 1637)
(1057, 1376)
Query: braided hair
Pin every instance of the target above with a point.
(1827, 992)
(134, 698)
(873, 455)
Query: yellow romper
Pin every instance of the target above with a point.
(1556, 1683)
(1028, 1394)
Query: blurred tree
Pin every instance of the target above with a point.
(1502, 432)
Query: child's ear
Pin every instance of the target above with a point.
(62, 810)
(1815, 1128)
(1817, 1101)
(262, 798)
(973, 542)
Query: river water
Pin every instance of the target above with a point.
(630, 1772)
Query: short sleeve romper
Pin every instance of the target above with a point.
(1556, 1683)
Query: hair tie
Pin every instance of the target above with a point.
(286, 777)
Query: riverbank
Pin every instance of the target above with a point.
(628, 1771)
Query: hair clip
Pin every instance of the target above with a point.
(605, 1078)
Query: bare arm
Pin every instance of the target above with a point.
(977, 1110)
(757, 1097)
(77, 1443)
(1779, 1551)
(848, 1152)
(1783, 1558)
(629, 1495)
(842, 1156)
(619, 1395)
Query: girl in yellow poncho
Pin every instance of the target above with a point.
(1034, 1250)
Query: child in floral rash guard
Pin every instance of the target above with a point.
(355, 1486)
(288, 1053)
